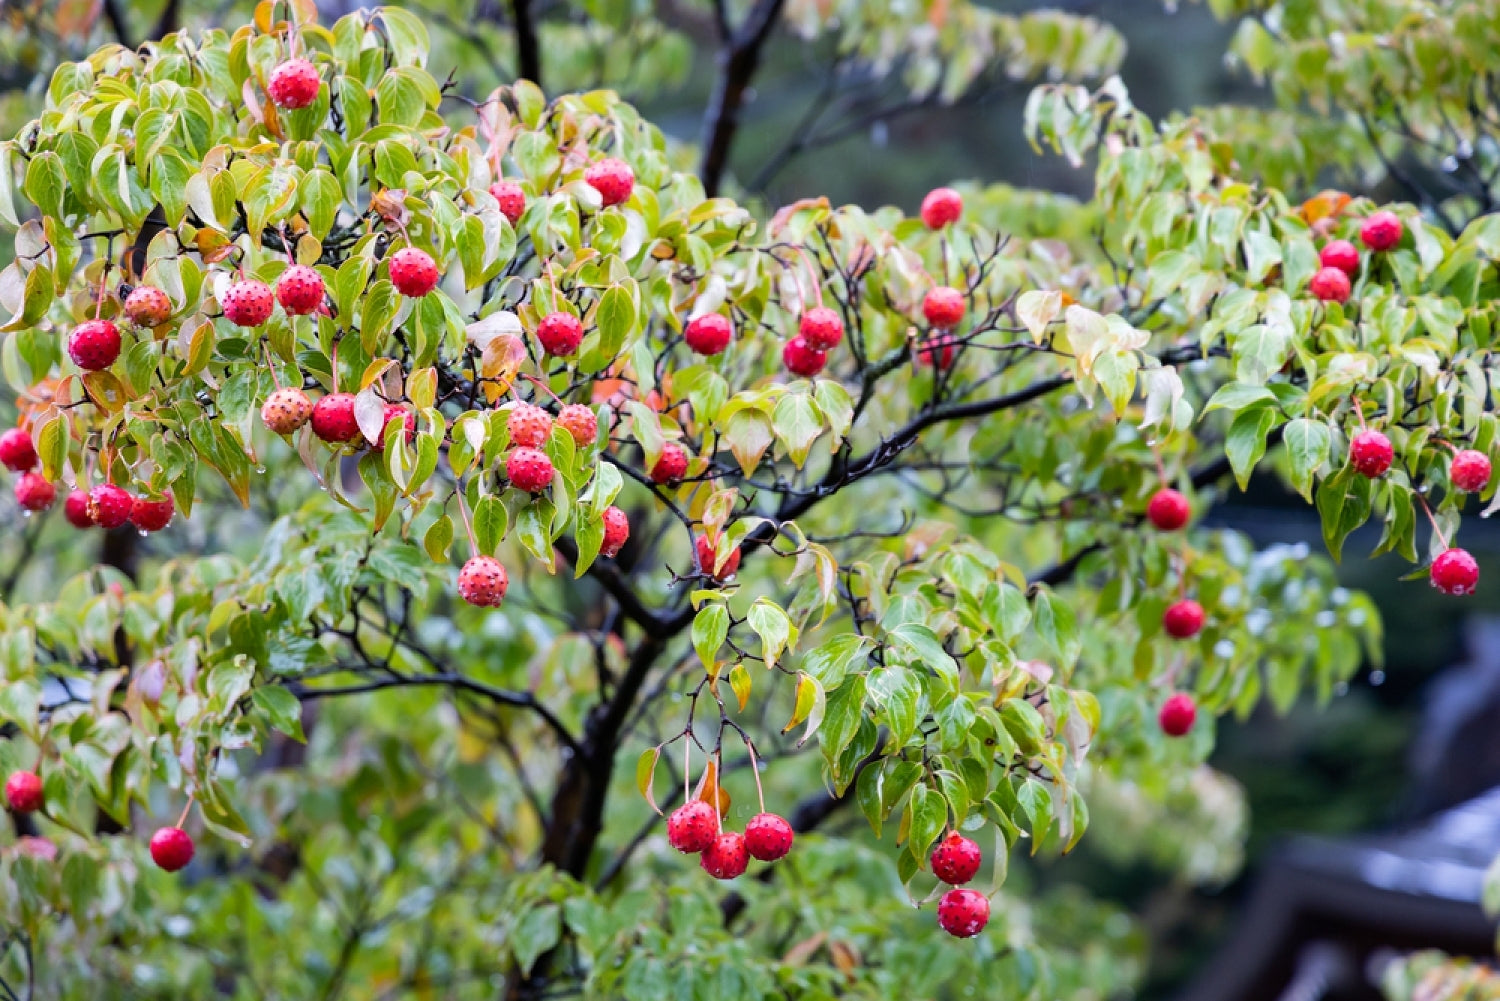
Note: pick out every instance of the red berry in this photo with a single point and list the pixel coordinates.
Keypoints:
(580, 422)
(148, 306)
(393, 412)
(937, 351)
(944, 307)
(727, 857)
(511, 198)
(671, 466)
(23, 791)
(286, 410)
(941, 207)
(616, 531)
(333, 418)
(612, 178)
(413, 272)
(152, 515)
(1168, 510)
(963, 913)
(1183, 619)
(956, 859)
(1381, 231)
(1469, 471)
(293, 84)
(768, 837)
(801, 358)
(1455, 572)
(76, 509)
(300, 290)
(482, 582)
(1340, 254)
(693, 827)
(560, 334)
(529, 469)
(1330, 285)
(17, 453)
(34, 492)
(708, 334)
(529, 425)
(708, 559)
(1371, 453)
(1177, 715)
(94, 345)
(248, 303)
(110, 506)
(171, 848)
(821, 328)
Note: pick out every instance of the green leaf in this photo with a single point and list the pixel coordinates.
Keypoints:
(830, 661)
(797, 424)
(1246, 442)
(1058, 627)
(929, 815)
(922, 644)
(319, 194)
(45, 183)
(710, 629)
(537, 932)
(283, 708)
(615, 319)
(437, 539)
(1307, 445)
(772, 626)
(645, 771)
(491, 522)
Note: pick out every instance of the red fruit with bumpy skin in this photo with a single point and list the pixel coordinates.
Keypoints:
(708, 557)
(941, 207)
(1469, 471)
(671, 466)
(333, 418)
(94, 345)
(944, 307)
(529, 425)
(1455, 572)
(110, 506)
(152, 515)
(1371, 453)
(1177, 715)
(1330, 285)
(821, 328)
(286, 410)
(529, 469)
(1381, 231)
(392, 412)
(414, 272)
(708, 334)
(483, 581)
(171, 848)
(1340, 254)
(293, 84)
(17, 453)
(580, 422)
(963, 913)
(693, 827)
(956, 859)
(560, 334)
(1183, 619)
(76, 509)
(1168, 510)
(34, 492)
(612, 178)
(148, 306)
(511, 198)
(768, 837)
(801, 358)
(300, 290)
(23, 791)
(248, 303)
(938, 351)
(616, 531)
(727, 857)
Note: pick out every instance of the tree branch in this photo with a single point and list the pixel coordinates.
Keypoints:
(116, 19)
(528, 49)
(738, 59)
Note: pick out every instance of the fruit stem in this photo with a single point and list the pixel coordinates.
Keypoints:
(463, 514)
(335, 364)
(1431, 520)
(687, 768)
(103, 281)
(185, 811)
(760, 793)
(541, 385)
(275, 379)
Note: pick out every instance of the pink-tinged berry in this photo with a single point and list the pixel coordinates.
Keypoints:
(1469, 471)
(580, 422)
(1381, 231)
(76, 509)
(1177, 715)
(612, 178)
(942, 207)
(708, 334)
(396, 412)
(511, 198)
(148, 306)
(17, 453)
(1330, 285)
(248, 303)
(727, 857)
(483, 581)
(616, 531)
(801, 358)
(23, 792)
(1168, 510)
(560, 334)
(693, 827)
(708, 558)
(821, 328)
(944, 307)
(963, 913)
(171, 848)
(333, 418)
(529, 469)
(293, 84)
(768, 837)
(286, 410)
(41, 849)
(34, 492)
(299, 289)
(94, 345)
(529, 425)
(1340, 254)
(671, 466)
(1371, 454)
(1183, 619)
(956, 859)
(413, 272)
(152, 515)
(110, 506)
(1455, 572)
(937, 352)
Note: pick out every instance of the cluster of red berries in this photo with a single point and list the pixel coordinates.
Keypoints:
(106, 505)
(695, 829)
(1168, 511)
(1339, 259)
(171, 847)
(962, 913)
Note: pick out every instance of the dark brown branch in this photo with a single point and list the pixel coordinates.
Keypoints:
(116, 19)
(528, 48)
(739, 57)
